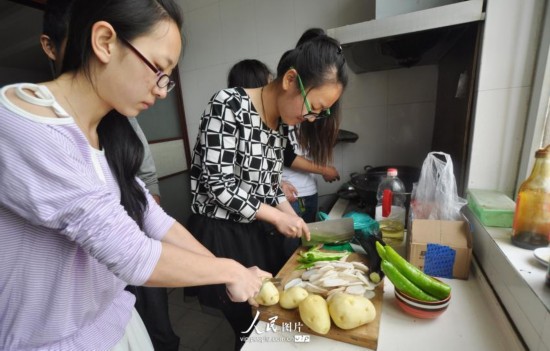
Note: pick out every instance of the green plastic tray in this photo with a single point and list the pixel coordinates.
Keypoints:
(493, 208)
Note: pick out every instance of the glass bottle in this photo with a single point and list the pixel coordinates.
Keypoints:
(390, 209)
(531, 227)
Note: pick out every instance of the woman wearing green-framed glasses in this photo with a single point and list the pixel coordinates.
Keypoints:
(239, 208)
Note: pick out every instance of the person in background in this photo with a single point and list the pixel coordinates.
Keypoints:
(249, 73)
(239, 209)
(76, 224)
(151, 302)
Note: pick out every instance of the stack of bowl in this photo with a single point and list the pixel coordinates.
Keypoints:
(421, 309)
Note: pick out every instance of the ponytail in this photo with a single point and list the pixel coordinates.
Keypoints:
(124, 153)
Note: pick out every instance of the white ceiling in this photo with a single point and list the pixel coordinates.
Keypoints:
(20, 28)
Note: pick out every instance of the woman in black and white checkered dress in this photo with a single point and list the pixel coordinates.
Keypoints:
(239, 208)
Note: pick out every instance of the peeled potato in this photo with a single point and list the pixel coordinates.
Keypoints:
(268, 295)
(292, 297)
(350, 311)
(314, 313)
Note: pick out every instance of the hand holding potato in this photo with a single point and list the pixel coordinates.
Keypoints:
(246, 284)
(268, 295)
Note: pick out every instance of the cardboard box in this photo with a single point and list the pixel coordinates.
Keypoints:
(441, 248)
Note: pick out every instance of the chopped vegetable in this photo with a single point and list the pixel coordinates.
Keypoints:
(308, 258)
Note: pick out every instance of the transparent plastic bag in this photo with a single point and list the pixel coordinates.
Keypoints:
(435, 195)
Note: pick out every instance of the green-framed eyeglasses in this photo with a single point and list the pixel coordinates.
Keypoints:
(310, 115)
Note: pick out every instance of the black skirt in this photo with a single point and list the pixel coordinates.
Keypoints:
(251, 244)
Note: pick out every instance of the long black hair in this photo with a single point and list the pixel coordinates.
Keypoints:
(130, 19)
(318, 59)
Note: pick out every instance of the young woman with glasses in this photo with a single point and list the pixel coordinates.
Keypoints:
(239, 208)
(73, 235)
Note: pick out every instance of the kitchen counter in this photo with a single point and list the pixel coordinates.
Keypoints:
(473, 321)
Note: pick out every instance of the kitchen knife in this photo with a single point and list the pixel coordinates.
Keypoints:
(330, 231)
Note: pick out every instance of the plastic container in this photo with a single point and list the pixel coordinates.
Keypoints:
(493, 208)
(390, 208)
(531, 228)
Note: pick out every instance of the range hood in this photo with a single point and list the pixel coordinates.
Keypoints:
(415, 38)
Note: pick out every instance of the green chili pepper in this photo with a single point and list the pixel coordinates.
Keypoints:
(428, 284)
(381, 250)
(404, 284)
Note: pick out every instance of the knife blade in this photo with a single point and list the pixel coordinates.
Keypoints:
(330, 231)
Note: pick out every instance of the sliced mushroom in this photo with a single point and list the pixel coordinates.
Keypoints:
(356, 290)
(307, 274)
(369, 294)
(293, 282)
(360, 266)
(314, 288)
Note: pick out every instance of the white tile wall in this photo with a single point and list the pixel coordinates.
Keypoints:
(309, 13)
(498, 135)
(410, 130)
(190, 5)
(219, 33)
(275, 26)
(510, 39)
(239, 29)
(510, 42)
(366, 89)
(410, 85)
(203, 39)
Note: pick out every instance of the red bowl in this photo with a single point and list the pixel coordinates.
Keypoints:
(421, 309)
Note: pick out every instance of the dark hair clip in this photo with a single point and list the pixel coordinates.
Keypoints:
(339, 50)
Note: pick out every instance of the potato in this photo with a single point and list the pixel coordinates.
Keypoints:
(314, 313)
(350, 311)
(292, 297)
(268, 295)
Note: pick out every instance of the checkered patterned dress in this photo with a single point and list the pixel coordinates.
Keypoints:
(237, 160)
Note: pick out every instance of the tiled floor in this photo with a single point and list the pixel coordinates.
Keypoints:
(198, 330)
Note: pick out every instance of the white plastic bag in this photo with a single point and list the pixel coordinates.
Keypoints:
(435, 196)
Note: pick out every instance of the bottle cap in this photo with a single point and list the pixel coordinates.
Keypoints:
(540, 153)
(392, 172)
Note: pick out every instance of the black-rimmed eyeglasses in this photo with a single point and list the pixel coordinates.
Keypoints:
(311, 116)
(163, 80)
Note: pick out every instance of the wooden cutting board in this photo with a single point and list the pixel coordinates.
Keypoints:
(365, 335)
